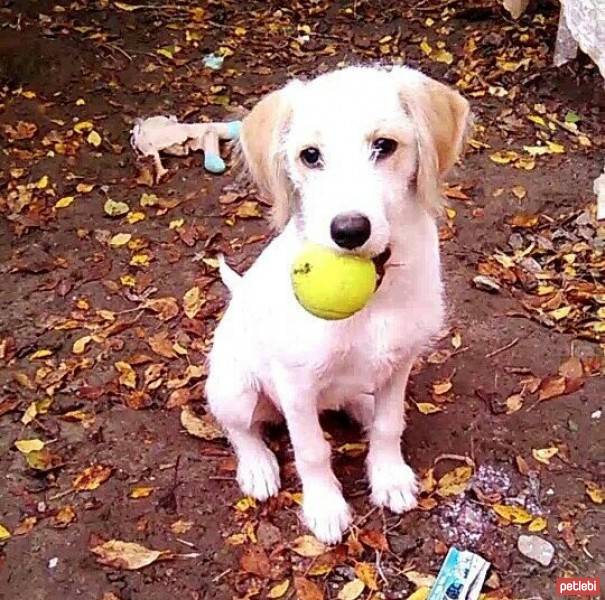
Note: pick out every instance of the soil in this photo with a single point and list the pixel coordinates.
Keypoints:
(63, 63)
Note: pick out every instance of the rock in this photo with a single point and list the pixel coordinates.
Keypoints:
(486, 284)
(536, 548)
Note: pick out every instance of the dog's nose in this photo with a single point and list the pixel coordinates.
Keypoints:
(350, 230)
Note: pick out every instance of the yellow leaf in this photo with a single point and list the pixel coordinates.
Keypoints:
(204, 427)
(83, 126)
(443, 56)
(560, 313)
(91, 478)
(94, 139)
(148, 199)
(503, 157)
(544, 455)
(594, 492)
(176, 223)
(352, 448)
(249, 210)
(279, 590)
(428, 408)
(555, 148)
(514, 403)
(245, 503)
(193, 301)
(42, 183)
(525, 163)
(30, 414)
(456, 341)
(308, 546)
(512, 514)
(42, 353)
(422, 593)
(27, 446)
(120, 239)
(115, 209)
(351, 590)
(140, 260)
(420, 579)
(367, 573)
(537, 525)
(84, 188)
(64, 202)
(425, 47)
(141, 492)
(135, 217)
(127, 7)
(442, 387)
(537, 150)
(455, 482)
(4, 533)
(538, 120)
(128, 280)
(128, 377)
(237, 539)
(79, 346)
(125, 555)
(28, 94)
(519, 191)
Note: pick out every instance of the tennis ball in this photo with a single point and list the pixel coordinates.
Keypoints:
(330, 285)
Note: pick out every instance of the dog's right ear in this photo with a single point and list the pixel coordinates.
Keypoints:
(262, 137)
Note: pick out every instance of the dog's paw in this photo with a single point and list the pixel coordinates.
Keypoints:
(258, 475)
(394, 486)
(326, 514)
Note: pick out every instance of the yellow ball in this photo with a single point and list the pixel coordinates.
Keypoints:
(330, 285)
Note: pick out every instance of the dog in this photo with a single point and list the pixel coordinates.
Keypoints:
(351, 160)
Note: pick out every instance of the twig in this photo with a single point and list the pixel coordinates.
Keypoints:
(221, 575)
(61, 495)
(504, 348)
(469, 461)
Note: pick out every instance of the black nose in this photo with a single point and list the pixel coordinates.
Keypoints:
(350, 230)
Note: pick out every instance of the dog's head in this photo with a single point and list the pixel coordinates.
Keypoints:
(348, 155)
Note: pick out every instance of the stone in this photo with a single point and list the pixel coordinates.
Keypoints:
(536, 548)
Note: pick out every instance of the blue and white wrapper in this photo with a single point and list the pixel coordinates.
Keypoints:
(461, 576)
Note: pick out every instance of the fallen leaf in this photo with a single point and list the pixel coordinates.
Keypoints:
(204, 427)
(374, 539)
(279, 590)
(537, 525)
(420, 579)
(193, 301)
(115, 209)
(245, 503)
(595, 492)
(125, 555)
(366, 572)
(519, 191)
(422, 593)
(179, 527)
(25, 526)
(79, 346)
(249, 210)
(4, 533)
(42, 353)
(512, 514)
(428, 408)
(27, 446)
(135, 217)
(455, 482)
(166, 308)
(128, 376)
(308, 546)
(161, 345)
(351, 590)
(91, 478)
(63, 517)
(94, 139)
(551, 387)
(514, 403)
(120, 239)
(255, 561)
(544, 455)
(64, 202)
(524, 220)
(128, 7)
(83, 126)
(504, 157)
(307, 590)
(141, 492)
(572, 368)
(442, 387)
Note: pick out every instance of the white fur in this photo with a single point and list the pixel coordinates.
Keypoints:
(269, 353)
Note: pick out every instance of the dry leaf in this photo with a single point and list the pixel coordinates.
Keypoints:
(544, 455)
(572, 368)
(524, 220)
(374, 539)
(128, 376)
(204, 427)
(308, 546)
(25, 526)
(420, 579)
(514, 403)
(42, 353)
(115, 209)
(279, 590)
(4, 533)
(27, 446)
(79, 346)
(193, 301)
(255, 561)
(422, 593)
(120, 239)
(595, 492)
(141, 492)
(64, 202)
(94, 139)
(512, 514)
(307, 590)
(125, 555)
(537, 525)
(91, 478)
(367, 573)
(428, 408)
(161, 345)
(455, 482)
(179, 527)
(63, 517)
(442, 387)
(551, 387)
(166, 308)
(249, 210)
(351, 590)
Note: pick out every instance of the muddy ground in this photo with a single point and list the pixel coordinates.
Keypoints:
(513, 391)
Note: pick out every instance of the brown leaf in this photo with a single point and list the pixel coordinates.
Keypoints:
(178, 398)
(25, 526)
(125, 555)
(161, 345)
(166, 308)
(308, 546)
(522, 465)
(455, 482)
(63, 517)
(307, 590)
(524, 220)
(572, 368)
(91, 478)
(128, 377)
(551, 387)
(204, 427)
(366, 572)
(255, 561)
(374, 539)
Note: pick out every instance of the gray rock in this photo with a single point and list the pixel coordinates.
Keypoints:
(536, 548)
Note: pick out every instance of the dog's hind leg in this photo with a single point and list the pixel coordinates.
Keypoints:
(257, 469)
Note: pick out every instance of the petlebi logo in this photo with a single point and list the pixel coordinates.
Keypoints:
(578, 586)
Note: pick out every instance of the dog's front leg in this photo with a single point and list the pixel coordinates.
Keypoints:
(324, 509)
(393, 482)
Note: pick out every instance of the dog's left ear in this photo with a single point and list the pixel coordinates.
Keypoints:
(442, 119)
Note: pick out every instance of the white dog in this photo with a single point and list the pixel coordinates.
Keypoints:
(352, 160)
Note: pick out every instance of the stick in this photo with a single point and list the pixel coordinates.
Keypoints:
(504, 348)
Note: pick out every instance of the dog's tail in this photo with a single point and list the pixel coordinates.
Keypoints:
(231, 279)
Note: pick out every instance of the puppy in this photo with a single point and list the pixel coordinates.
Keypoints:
(351, 160)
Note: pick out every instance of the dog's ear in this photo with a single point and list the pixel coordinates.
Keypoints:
(262, 135)
(442, 119)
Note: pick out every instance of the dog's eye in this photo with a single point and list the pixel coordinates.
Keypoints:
(383, 147)
(311, 157)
